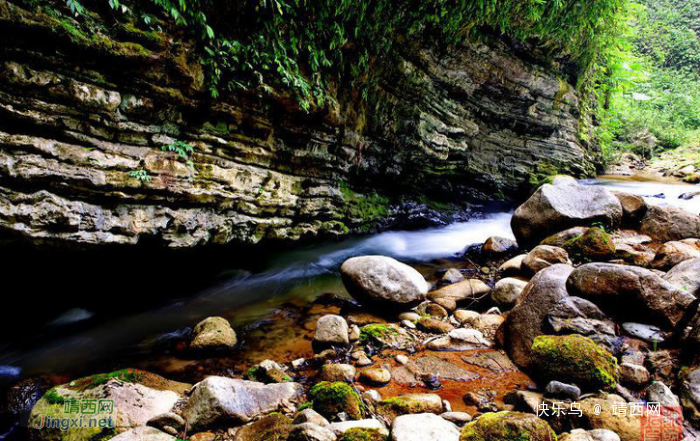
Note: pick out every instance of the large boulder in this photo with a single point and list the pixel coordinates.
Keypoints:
(595, 245)
(213, 333)
(382, 280)
(674, 252)
(423, 427)
(630, 290)
(555, 208)
(575, 359)
(633, 208)
(507, 426)
(670, 223)
(226, 399)
(133, 398)
(686, 276)
(466, 290)
(528, 319)
(330, 399)
(543, 256)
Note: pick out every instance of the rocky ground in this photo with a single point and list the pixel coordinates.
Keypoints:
(579, 331)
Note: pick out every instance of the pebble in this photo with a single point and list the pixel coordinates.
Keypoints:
(408, 324)
(401, 359)
(563, 390)
(378, 376)
(458, 418)
(410, 316)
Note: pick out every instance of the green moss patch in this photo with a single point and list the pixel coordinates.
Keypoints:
(362, 434)
(508, 426)
(575, 359)
(595, 245)
(329, 399)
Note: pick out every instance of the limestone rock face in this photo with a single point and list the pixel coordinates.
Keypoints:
(81, 157)
(554, 208)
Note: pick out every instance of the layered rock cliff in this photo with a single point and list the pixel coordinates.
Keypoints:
(83, 119)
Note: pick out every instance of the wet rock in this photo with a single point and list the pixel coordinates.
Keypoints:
(686, 276)
(331, 330)
(452, 275)
(432, 309)
(212, 334)
(506, 426)
(482, 400)
(670, 223)
(555, 208)
(506, 292)
(434, 326)
(423, 427)
(543, 256)
(635, 250)
(574, 315)
(634, 375)
(354, 333)
(369, 424)
(674, 252)
(338, 372)
(690, 394)
(598, 413)
(382, 280)
(596, 244)
(657, 392)
(638, 289)
(387, 337)
(575, 359)
(266, 428)
(558, 239)
(410, 316)
(466, 316)
(492, 360)
(459, 340)
(268, 371)
(377, 376)
(407, 404)
(401, 359)
(330, 399)
(457, 418)
(136, 397)
(169, 420)
(446, 303)
(471, 289)
(144, 433)
(361, 358)
(528, 318)
(414, 372)
(633, 208)
(662, 365)
(496, 247)
(310, 416)
(648, 333)
(562, 390)
(590, 435)
(220, 398)
(512, 266)
(311, 432)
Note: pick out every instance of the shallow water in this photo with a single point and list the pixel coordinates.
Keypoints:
(291, 276)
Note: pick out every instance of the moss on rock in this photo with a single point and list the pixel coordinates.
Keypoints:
(363, 434)
(576, 359)
(508, 426)
(595, 244)
(274, 427)
(329, 399)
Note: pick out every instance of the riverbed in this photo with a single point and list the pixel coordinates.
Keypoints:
(268, 296)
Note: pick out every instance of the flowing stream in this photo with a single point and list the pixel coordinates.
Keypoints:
(77, 337)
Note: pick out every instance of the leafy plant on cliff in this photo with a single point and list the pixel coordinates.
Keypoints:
(305, 49)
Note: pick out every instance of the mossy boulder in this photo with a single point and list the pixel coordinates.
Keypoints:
(274, 427)
(574, 359)
(363, 434)
(596, 244)
(410, 404)
(508, 426)
(329, 399)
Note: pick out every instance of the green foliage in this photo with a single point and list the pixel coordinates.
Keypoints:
(184, 150)
(141, 175)
(53, 397)
(125, 375)
(305, 48)
(377, 333)
(363, 434)
(650, 99)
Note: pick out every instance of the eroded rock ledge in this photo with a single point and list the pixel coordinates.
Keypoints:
(79, 116)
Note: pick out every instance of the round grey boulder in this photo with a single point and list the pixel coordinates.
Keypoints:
(381, 280)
